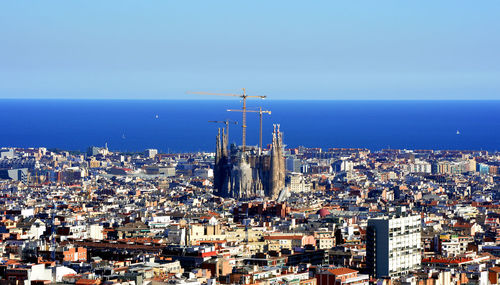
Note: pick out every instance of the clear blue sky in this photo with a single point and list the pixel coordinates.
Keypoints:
(446, 49)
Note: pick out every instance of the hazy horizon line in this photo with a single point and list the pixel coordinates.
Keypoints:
(225, 99)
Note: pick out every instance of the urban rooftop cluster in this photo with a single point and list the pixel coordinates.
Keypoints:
(344, 216)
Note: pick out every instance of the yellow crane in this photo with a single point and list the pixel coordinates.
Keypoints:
(243, 109)
(260, 111)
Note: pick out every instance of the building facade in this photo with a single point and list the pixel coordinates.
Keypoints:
(393, 245)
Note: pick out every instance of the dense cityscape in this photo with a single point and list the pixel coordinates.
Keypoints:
(334, 216)
(365, 152)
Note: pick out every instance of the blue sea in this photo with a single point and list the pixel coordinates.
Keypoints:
(182, 126)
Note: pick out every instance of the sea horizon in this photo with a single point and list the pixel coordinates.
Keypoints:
(266, 99)
(182, 125)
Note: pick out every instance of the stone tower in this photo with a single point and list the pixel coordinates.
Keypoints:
(277, 180)
(247, 174)
(221, 160)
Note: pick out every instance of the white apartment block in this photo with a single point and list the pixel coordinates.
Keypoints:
(393, 244)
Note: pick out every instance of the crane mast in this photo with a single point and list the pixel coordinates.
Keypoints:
(244, 96)
(244, 121)
(260, 111)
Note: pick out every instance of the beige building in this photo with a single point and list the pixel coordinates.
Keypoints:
(324, 240)
(276, 242)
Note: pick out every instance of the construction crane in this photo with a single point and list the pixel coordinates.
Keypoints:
(226, 122)
(243, 110)
(260, 111)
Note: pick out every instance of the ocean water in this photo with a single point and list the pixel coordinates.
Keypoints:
(182, 126)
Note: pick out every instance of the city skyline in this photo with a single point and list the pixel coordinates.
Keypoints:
(137, 148)
(326, 51)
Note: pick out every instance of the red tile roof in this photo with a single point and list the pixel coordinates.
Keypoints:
(495, 269)
(342, 271)
(87, 281)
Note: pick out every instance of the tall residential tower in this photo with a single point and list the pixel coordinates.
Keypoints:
(393, 245)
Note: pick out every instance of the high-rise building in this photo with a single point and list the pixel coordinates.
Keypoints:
(295, 182)
(94, 150)
(293, 164)
(151, 153)
(20, 174)
(393, 245)
(343, 165)
(7, 153)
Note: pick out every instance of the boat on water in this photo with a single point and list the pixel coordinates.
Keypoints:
(458, 132)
